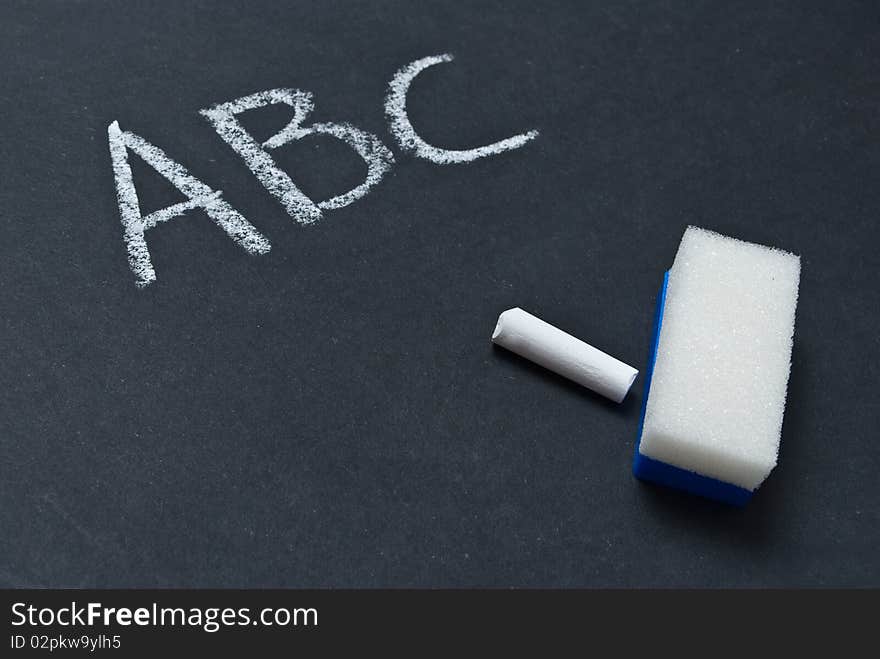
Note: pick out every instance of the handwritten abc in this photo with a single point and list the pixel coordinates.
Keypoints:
(258, 158)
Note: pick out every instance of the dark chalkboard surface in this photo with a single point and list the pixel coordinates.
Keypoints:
(332, 413)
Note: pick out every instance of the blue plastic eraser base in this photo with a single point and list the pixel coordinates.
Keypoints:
(648, 469)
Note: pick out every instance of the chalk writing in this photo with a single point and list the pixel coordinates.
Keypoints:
(222, 116)
(200, 196)
(256, 156)
(409, 140)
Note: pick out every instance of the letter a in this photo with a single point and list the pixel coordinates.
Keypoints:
(200, 196)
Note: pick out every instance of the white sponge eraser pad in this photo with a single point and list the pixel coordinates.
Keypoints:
(718, 389)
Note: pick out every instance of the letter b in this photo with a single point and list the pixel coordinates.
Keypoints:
(223, 117)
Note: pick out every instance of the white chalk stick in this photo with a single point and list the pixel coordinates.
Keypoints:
(540, 342)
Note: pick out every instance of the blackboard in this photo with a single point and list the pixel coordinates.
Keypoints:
(332, 412)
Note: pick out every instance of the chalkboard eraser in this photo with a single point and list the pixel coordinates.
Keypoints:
(550, 347)
(718, 369)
